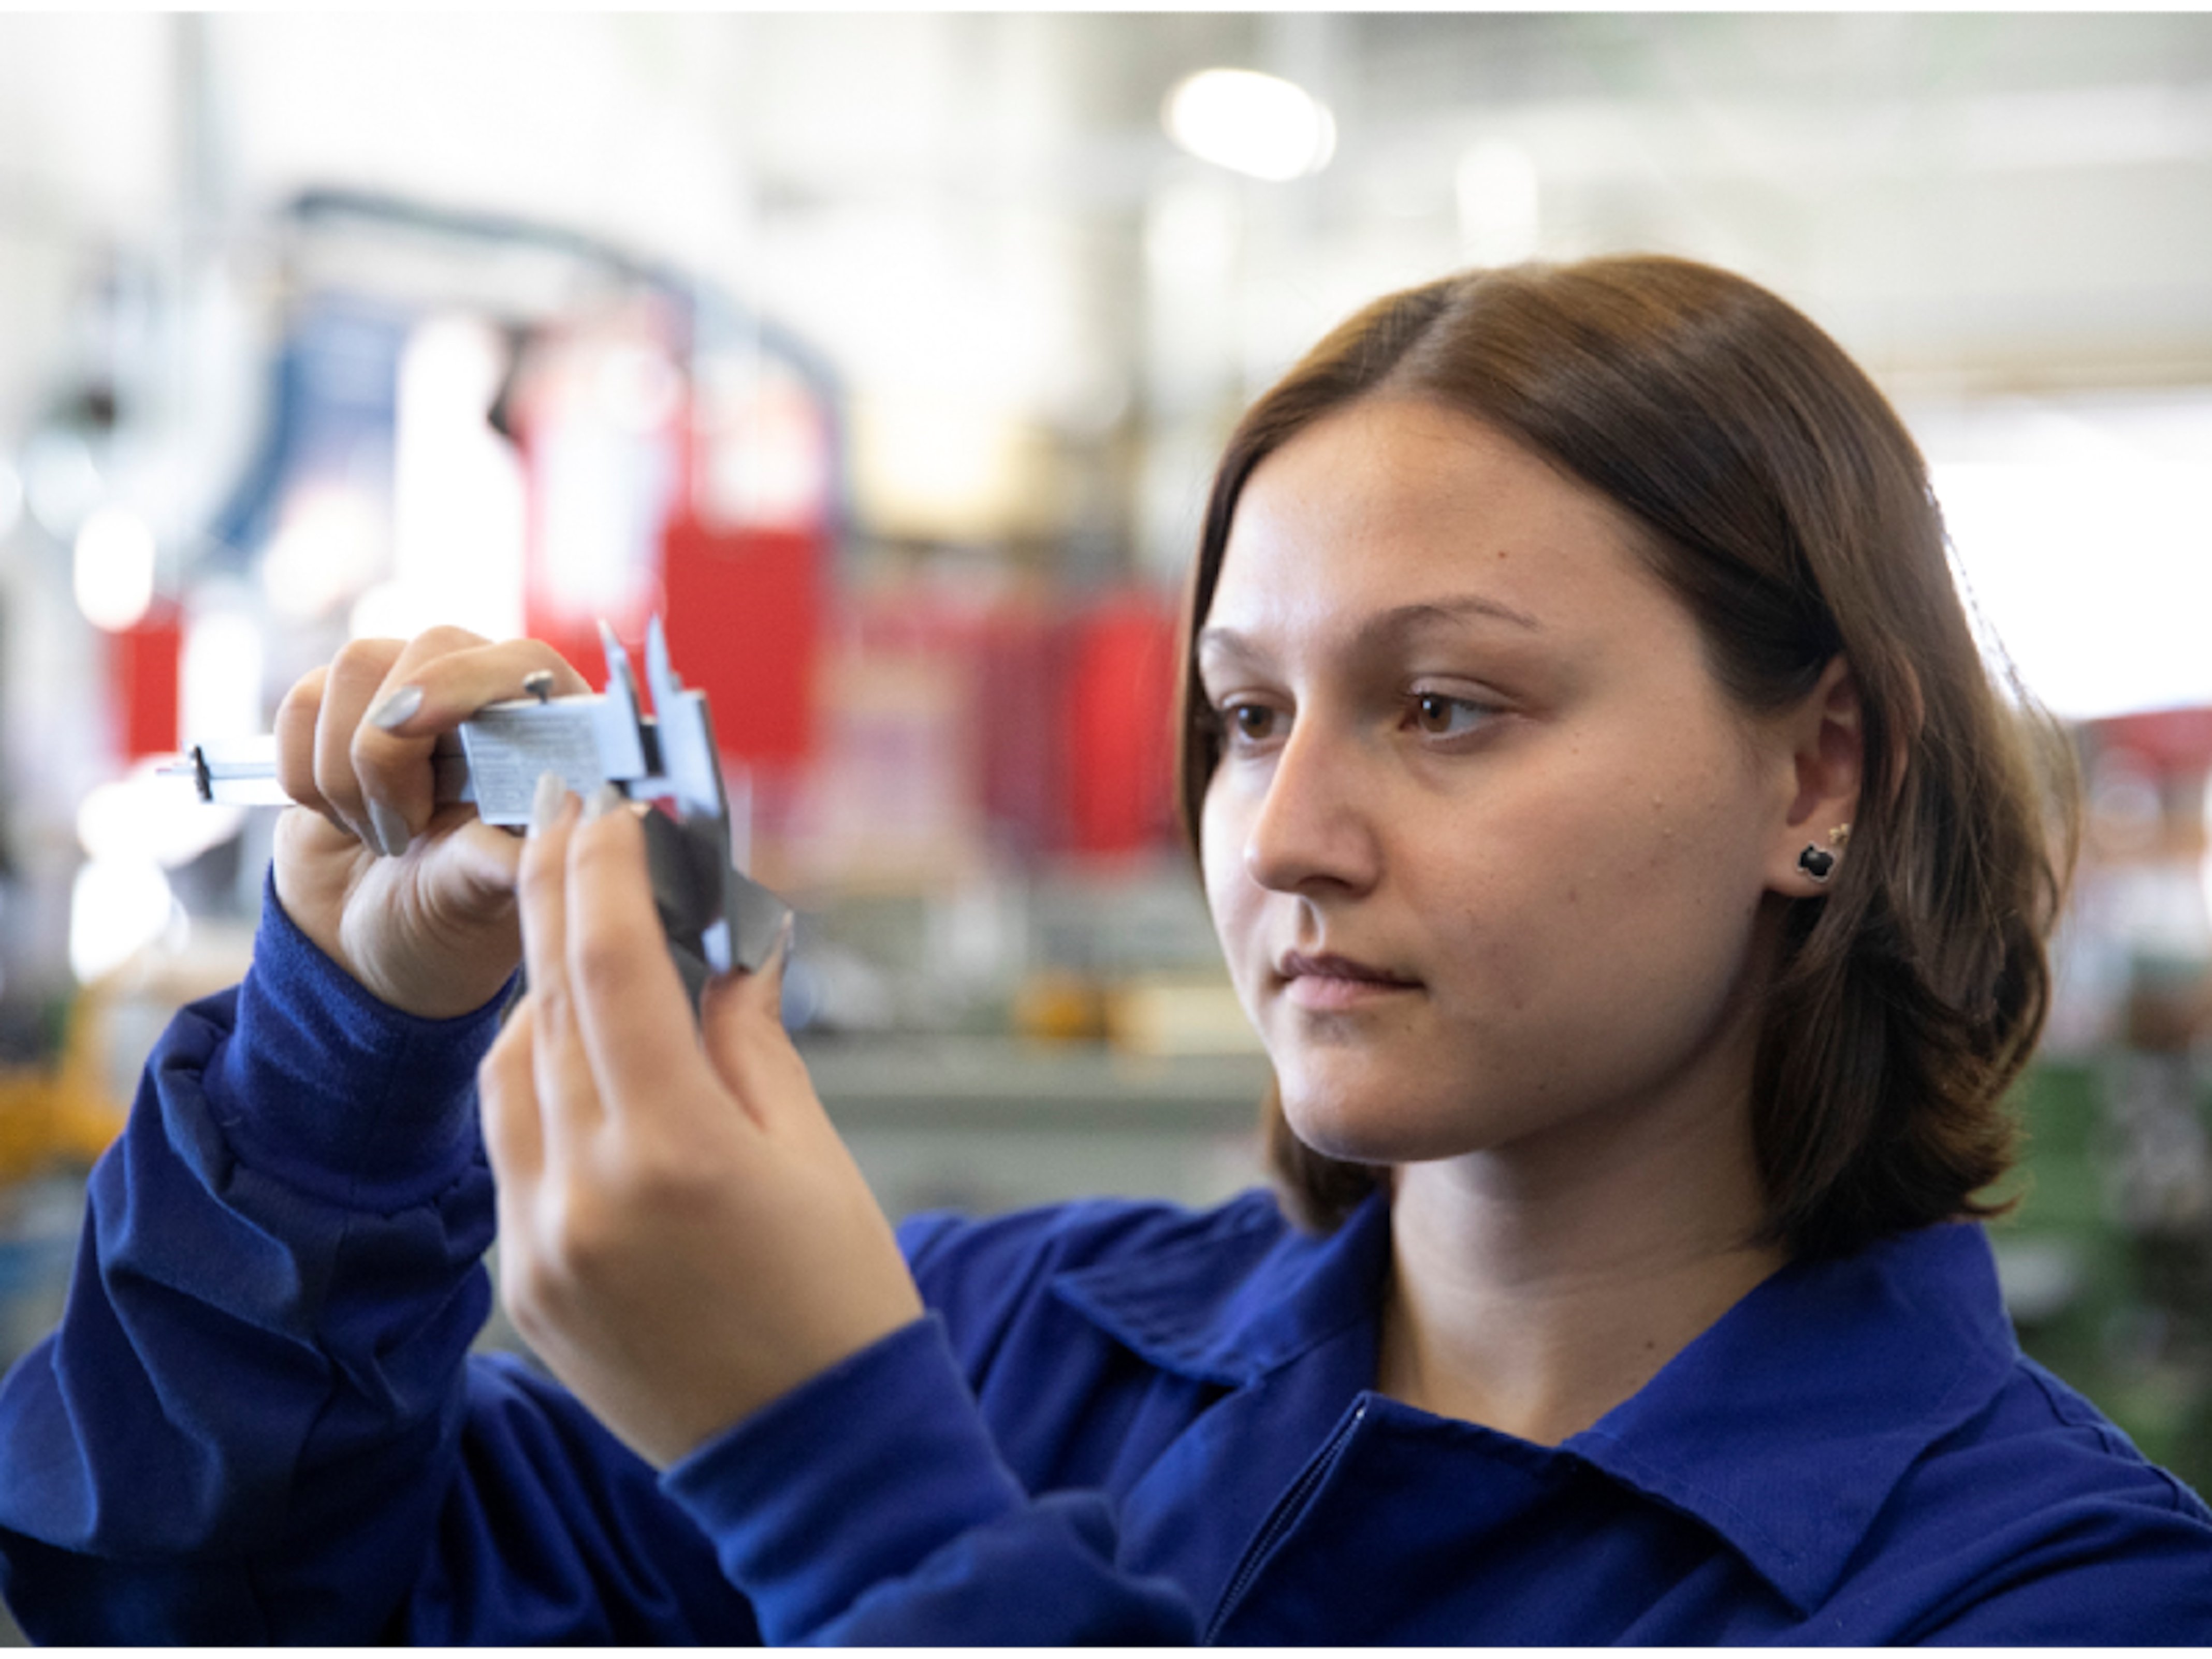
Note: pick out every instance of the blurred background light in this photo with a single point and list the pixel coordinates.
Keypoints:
(931, 467)
(2080, 527)
(114, 557)
(1251, 124)
(762, 455)
(606, 473)
(2026, 536)
(219, 680)
(1497, 195)
(118, 907)
(457, 490)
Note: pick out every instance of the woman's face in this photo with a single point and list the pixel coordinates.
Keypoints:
(1488, 845)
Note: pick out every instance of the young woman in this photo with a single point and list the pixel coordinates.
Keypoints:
(1640, 889)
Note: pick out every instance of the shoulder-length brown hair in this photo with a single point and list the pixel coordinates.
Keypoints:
(1789, 509)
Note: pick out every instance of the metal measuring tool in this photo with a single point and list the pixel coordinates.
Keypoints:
(716, 916)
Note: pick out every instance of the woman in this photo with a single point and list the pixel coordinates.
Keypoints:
(1640, 891)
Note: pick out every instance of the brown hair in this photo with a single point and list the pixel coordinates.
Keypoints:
(1790, 512)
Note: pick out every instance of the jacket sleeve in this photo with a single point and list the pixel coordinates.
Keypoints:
(256, 1419)
(870, 1507)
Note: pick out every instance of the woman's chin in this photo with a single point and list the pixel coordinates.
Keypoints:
(1355, 1131)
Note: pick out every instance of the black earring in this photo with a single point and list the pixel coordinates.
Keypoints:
(1817, 862)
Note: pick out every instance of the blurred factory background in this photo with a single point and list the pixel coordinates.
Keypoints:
(886, 357)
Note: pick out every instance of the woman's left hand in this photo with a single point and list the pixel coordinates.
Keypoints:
(683, 1236)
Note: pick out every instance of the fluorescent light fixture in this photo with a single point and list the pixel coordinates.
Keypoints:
(1252, 123)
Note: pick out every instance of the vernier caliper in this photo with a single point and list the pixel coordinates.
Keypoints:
(716, 917)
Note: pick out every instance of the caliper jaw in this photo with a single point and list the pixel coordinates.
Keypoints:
(716, 916)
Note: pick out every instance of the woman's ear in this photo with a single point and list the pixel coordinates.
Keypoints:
(1827, 735)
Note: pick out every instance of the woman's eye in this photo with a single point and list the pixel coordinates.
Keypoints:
(1441, 716)
(1249, 722)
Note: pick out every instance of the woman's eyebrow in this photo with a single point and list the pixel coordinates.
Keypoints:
(1383, 627)
(1411, 619)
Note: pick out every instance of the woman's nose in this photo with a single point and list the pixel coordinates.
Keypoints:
(1312, 827)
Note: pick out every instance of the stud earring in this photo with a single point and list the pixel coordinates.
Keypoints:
(1816, 861)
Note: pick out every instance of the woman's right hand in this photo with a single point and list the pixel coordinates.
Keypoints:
(413, 900)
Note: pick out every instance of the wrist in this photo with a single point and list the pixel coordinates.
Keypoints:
(336, 1091)
(853, 1478)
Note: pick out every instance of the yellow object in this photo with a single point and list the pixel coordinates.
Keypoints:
(58, 1116)
(1167, 1014)
(1054, 1005)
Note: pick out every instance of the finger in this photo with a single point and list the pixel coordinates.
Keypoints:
(481, 864)
(295, 740)
(444, 675)
(507, 1097)
(350, 685)
(630, 1002)
(437, 680)
(568, 1096)
(741, 1021)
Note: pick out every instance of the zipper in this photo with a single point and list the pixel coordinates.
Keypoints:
(1289, 1508)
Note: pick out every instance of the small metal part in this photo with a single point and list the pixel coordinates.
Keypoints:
(539, 684)
(231, 772)
(242, 772)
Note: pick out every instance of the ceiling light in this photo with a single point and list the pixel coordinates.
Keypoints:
(1251, 123)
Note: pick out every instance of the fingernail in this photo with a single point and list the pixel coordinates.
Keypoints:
(545, 805)
(396, 709)
(392, 833)
(603, 800)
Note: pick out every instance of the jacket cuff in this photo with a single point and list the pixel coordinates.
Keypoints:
(855, 1478)
(322, 1086)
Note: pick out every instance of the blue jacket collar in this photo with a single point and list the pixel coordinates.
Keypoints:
(1783, 1428)
(1787, 1425)
(1246, 1295)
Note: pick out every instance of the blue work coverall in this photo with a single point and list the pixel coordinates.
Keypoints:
(1121, 1422)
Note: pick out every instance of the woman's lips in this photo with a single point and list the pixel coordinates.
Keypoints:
(1332, 983)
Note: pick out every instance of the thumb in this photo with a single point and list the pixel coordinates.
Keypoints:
(741, 1022)
(477, 865)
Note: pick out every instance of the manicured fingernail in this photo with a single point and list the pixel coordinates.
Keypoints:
(392, 833)
(396, 709)
(545, 805)
(603, 800)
